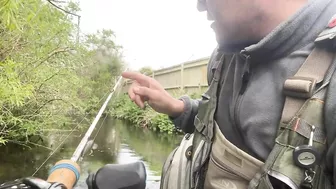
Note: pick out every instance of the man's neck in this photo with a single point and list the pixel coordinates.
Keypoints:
(273, 14)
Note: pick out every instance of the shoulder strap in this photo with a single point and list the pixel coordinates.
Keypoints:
(318, 67)
(302, 85)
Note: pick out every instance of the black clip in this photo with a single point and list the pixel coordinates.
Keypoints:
(309, 177)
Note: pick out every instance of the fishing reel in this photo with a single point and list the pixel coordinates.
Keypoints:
(117, 176)
(31, 183)
(111, 176)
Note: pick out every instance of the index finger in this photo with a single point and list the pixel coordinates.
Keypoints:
(140, 78)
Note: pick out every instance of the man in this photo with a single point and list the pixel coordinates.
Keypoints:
(261, 43)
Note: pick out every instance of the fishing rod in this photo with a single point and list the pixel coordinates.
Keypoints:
(66, 171)
(82, 145)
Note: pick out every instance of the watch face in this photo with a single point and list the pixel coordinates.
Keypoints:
(307, 158)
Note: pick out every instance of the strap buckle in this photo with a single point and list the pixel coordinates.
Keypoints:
(300, 87)
(199, 125)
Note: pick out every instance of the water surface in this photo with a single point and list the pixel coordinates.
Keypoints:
(116, 142)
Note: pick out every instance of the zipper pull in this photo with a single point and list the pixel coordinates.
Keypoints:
(246, 75)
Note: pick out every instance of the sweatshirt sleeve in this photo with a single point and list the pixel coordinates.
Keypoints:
(185, 121)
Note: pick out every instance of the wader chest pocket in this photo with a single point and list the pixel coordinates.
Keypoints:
(230, 167)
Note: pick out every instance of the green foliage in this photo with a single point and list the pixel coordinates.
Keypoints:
(153, 147)
(162, 122)
(195, 96)
(47, 78)
(146, 70)
(124, 108)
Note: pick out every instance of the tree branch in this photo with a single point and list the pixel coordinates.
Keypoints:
(60, 8)
(58, 1)
(19, 143)
(6, 2)
(40, 45)
(39, 88)
(49, 101)
(52, 54)
(39, 145)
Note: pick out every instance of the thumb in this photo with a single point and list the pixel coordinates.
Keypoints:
(144, 92)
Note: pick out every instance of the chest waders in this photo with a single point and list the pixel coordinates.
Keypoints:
(206, 159)
(186, 166)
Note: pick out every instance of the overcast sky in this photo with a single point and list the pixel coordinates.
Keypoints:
(156, 33)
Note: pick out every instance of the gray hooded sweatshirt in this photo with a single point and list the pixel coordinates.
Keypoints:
(250, 98)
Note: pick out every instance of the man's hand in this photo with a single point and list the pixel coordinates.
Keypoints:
(36, 183)
(145, 88)
(31, 183)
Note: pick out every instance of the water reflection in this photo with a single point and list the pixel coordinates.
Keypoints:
(116, 142)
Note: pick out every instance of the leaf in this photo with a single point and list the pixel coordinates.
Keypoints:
(3, 141)
(42, 89)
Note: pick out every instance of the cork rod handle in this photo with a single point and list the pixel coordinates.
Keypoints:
(66, 172)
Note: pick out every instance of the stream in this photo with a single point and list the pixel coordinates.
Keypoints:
(116, 142)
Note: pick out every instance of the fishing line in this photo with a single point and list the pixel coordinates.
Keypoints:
(52, 153)
(79, 150)
(101, 125)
